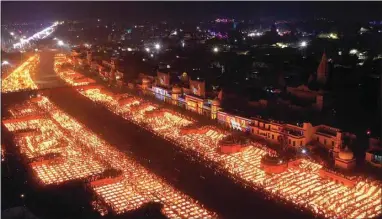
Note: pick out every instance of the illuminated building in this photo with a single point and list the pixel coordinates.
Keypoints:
(215, 108)
(194, 96)
(194, 103)
(234, 122)
(175, 93)
(374, 153)
(297, 135)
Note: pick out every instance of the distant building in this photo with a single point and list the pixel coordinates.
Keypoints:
(374, 153)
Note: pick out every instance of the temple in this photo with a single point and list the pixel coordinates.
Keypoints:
(322, 71)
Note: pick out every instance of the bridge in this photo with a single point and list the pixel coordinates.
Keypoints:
(37, 36)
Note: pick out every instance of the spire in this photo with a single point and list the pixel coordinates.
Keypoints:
(322, 70)
(220, 95)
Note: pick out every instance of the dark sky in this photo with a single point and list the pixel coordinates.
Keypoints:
(141, 11)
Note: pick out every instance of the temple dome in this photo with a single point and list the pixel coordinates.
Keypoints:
(346, 154)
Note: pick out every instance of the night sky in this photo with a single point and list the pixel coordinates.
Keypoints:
(153, 11)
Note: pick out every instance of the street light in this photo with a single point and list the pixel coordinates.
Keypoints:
(303, 45)
(353, 51)
(157, 46)
(60, 43)
(147, 49)
(216, 49)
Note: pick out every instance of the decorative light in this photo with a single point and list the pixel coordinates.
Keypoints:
(301, 184)
(157, 46)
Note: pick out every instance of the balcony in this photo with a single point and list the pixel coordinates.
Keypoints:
(296, 133)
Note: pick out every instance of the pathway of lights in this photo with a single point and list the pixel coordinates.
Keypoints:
(20, 79)
(84, 155)
(302, 186)
(68, 75)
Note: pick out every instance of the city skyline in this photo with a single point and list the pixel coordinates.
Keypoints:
(188, 11)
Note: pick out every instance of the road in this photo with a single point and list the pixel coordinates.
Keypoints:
(45, 77)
